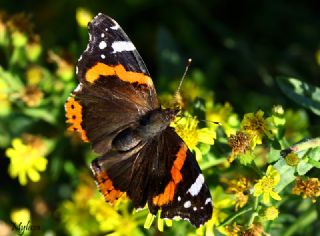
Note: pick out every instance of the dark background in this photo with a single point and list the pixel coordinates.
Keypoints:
(239, 46)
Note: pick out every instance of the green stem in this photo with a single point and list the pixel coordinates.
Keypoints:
(232, 218)
(255, 213)
(256, 169)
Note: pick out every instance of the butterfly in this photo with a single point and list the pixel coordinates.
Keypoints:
(115, 108)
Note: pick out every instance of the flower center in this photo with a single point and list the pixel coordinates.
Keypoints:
(267, 184)
(257, 123)
(189, 134)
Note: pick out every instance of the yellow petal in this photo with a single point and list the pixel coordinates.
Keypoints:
(206, 136)
(198, 153)
(41, 163)
(275, 195)
(257, 190)
(269, 169)
(17, 143)
(33, 175)
(10, 153)
(266, 198)
(23, 178)
(149, 220)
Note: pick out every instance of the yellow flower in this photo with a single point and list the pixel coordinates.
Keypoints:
(256, 126)
(34, 75)
(33, 48)
(224, 115)
(25, 161)
(88, 205)
(112, 219)
(240, 144)
(20, 216)
(187, 129)
(254, 230)
(238, 187)
(266, 185)
(83, 17)
(309, 187)
(65, 68)
(32, 96)
(233, 230)
(4, 98)
(150, 218)
(220, 201)
(271, 213)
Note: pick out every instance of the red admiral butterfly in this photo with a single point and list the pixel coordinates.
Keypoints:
(115, 108)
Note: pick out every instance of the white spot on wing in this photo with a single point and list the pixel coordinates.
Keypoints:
(194, 208)
(106, 29)
(196, 186)
(90, 37)
(80, 58)
(120, 46)
(187, 204)
(179, 198)
(187, 219)
(116, 26)
(208, 200)
(102, 45)
(139, 209)
(103, 56)
(102, 35)
(77, 69)
(87, 48)
(78, 88)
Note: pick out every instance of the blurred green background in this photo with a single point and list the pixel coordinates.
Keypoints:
(238, 49)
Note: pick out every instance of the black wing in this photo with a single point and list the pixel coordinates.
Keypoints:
(186, 195)
(108, 43)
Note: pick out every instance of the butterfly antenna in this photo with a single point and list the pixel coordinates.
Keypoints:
(181, 81)
(192, 117)
(212, 122)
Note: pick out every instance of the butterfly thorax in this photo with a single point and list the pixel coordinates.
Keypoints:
(149, 126)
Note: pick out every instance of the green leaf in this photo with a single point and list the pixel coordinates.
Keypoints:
(274, 155)
(303, 221)
(301, 92)
(286, 174)
(40, 113)
(312, 156)
(303, 167)
(314, 163)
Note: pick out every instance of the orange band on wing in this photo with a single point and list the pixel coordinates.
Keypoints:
(106, 187)
(176, 177)
(74, 117)
(101, 69)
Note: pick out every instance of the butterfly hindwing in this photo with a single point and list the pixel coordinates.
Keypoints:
(186, 195)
